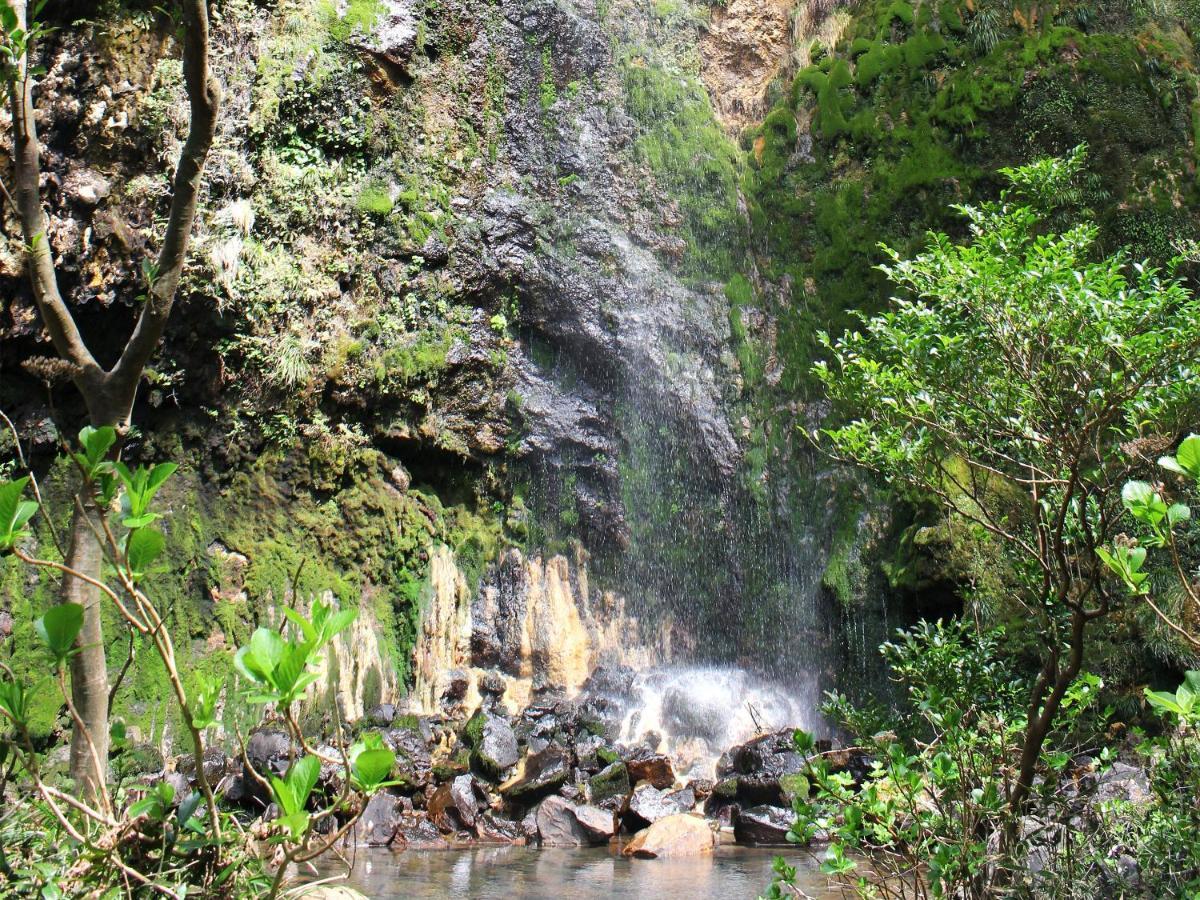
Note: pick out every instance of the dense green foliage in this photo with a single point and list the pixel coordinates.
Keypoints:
(918, 103)
(1012, 382)
(141, 838)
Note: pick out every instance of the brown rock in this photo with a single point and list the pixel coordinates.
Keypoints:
(679, 835)
(652, 767)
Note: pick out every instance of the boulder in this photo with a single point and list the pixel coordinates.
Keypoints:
(762, 825)
(561, 823)
(413, 760)
(543, 773)
(593, 753)
(558, 826)
(645, 765)
(610, 784)
(547, 722)
(494, 743)
(648, 804)
(380, 820)
(1123, 782)
(383, 714)
(466, 803)
(674, 836)
(453, 806)
(215, 762)
(496, 829)
(267, 751)
(416, 832)
(599, 824)
(768, 756)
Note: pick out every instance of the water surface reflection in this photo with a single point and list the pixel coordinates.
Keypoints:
(509, 873)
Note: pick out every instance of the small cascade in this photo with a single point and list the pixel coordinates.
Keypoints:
(695, 713)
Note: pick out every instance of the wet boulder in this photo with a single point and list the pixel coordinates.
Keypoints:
(493, 742)
(648, 804)
(466, 799)
(593, 752)
(599, 824)
(768, 756)
(542, 773)
(561, 823)
(454, 805)
(413, 761)
(762, 825)
(547, 721)
(267, 751)
(646, 765)
(496, 829)
(610, 784)
(216, 765)
(380, 820)
(674, 836)
(417, 832)
(557, 825)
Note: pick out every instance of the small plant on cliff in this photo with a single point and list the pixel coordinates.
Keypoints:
(1007, 384)
(146, 839)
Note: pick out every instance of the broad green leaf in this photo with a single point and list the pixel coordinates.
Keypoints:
(144, 546)
(263, 653)
(1178, 512)
(295, 823)
(14, 701)
(59, 627)
(187, 809)
(306, 628)
(96, 443)
(14, 512)
(371, 767)
(284, 795)
(158, 475)
(134, 522)
(1186, 460)
(302, 778)
(340, 622)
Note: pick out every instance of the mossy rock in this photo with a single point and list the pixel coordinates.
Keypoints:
(794, 787)
(611, 781)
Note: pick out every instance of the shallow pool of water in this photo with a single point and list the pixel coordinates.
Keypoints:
(525, 873)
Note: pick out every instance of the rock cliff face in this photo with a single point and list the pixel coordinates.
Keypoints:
(542, 271)
(533, 626)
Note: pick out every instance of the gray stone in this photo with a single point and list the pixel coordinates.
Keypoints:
(648, 804)
(762, 825)
(611, 782)
(1123, 782)
(599, 824)
(380, 820)
(558, 826)
(497, 750)
(545, 773)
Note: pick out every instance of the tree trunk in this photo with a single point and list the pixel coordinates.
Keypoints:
(89, 670)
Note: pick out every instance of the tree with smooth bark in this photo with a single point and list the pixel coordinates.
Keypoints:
(108, 393)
